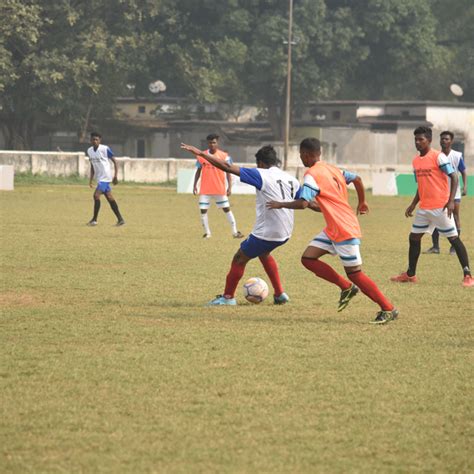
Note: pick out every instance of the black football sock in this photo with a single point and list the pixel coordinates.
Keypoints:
(413, 255)
(114, 206)
(96, 209)
(461, 252)
(435, 239)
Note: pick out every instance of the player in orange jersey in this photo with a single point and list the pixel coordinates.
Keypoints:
(213, 186)
(325, 189)
(436, 205)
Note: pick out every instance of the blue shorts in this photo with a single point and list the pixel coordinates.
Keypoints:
(104, 187)
(254, 247)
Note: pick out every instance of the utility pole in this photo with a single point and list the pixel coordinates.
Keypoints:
(288, 86)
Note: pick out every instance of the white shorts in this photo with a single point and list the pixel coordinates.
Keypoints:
(205, 201)
(349, 253)
(427, 220)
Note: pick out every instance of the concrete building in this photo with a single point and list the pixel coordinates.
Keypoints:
(376, 133)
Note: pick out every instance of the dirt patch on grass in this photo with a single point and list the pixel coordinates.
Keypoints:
(11, 298)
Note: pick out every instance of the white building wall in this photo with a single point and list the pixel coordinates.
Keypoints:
(460, 121)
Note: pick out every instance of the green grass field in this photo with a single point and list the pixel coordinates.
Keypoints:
(110, 362)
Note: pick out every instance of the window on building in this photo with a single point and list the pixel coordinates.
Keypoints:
(405, 113)
(141, 109)
(336, 115)
(140, 148)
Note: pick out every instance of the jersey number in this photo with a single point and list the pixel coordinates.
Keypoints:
(292, 189)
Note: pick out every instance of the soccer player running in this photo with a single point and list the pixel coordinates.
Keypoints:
(100, 157)
(325, 187)
(457, 161)
(436, 205)
(213, 186)
(272, 229)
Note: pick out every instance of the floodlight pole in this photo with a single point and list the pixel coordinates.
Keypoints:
(288, 86)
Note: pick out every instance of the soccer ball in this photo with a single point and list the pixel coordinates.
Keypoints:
(255, 290)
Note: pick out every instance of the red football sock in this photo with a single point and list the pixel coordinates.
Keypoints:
(271, 268)
(324, 271)
(370, 289)
(233, 277)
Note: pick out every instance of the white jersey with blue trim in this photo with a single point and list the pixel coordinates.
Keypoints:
(457, 162)
(100, 160)
(272, 184)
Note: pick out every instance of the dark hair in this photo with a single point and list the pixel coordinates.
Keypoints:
(212, 136)
(267, 155)
(96, 134)
(447, 132)
(426, 131)
(311, 144)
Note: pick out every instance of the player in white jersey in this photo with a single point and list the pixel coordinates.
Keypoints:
(100, 157)
(457, 161)
(272, 228)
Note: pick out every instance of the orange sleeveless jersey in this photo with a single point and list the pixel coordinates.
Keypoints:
(433, 184)
(213, 180)
(342, 223)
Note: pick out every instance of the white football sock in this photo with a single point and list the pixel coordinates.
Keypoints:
(231, 219)
(205, 223)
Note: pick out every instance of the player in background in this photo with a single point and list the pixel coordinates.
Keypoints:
(457, 161)
(271, 229)
(327, 185)
(213, 186)
(100, 157)
(436, 205)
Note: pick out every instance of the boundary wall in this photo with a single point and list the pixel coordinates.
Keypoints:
(159, 170)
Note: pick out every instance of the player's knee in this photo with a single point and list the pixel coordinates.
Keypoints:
(454, 240)
(415, 237)
(226, 209)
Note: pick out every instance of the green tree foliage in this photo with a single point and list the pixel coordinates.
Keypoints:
(62, 61)
(61, 58)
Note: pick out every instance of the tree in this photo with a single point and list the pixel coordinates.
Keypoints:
(60, 58)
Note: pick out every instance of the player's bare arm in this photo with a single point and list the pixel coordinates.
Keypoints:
(229, 184)
(297, 204)
(91, 177)
(464, 183)
(197, 175)
(412, 206)
(314, 206)
(362, 206)
(454, 185)
(222, 165)
(114, 161)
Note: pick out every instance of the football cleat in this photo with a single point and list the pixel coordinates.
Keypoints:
(206, 236)
(404, 278)
(432, 250)
(238, 235)
(468, 281)
(346, 296)
(383, 317)
(92, 223)
(120, 223)
(452, 251)
(281, 299)
(221, 300)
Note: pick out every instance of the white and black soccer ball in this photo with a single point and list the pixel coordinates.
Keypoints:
(255, 290)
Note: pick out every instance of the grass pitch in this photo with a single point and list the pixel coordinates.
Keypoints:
(110, 362)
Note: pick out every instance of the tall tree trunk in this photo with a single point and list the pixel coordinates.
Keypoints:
(275, 120)
(19, 133)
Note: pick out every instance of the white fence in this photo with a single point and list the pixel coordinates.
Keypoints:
(144, 170)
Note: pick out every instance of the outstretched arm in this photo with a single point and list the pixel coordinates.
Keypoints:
(218, 163)
(297, 204)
